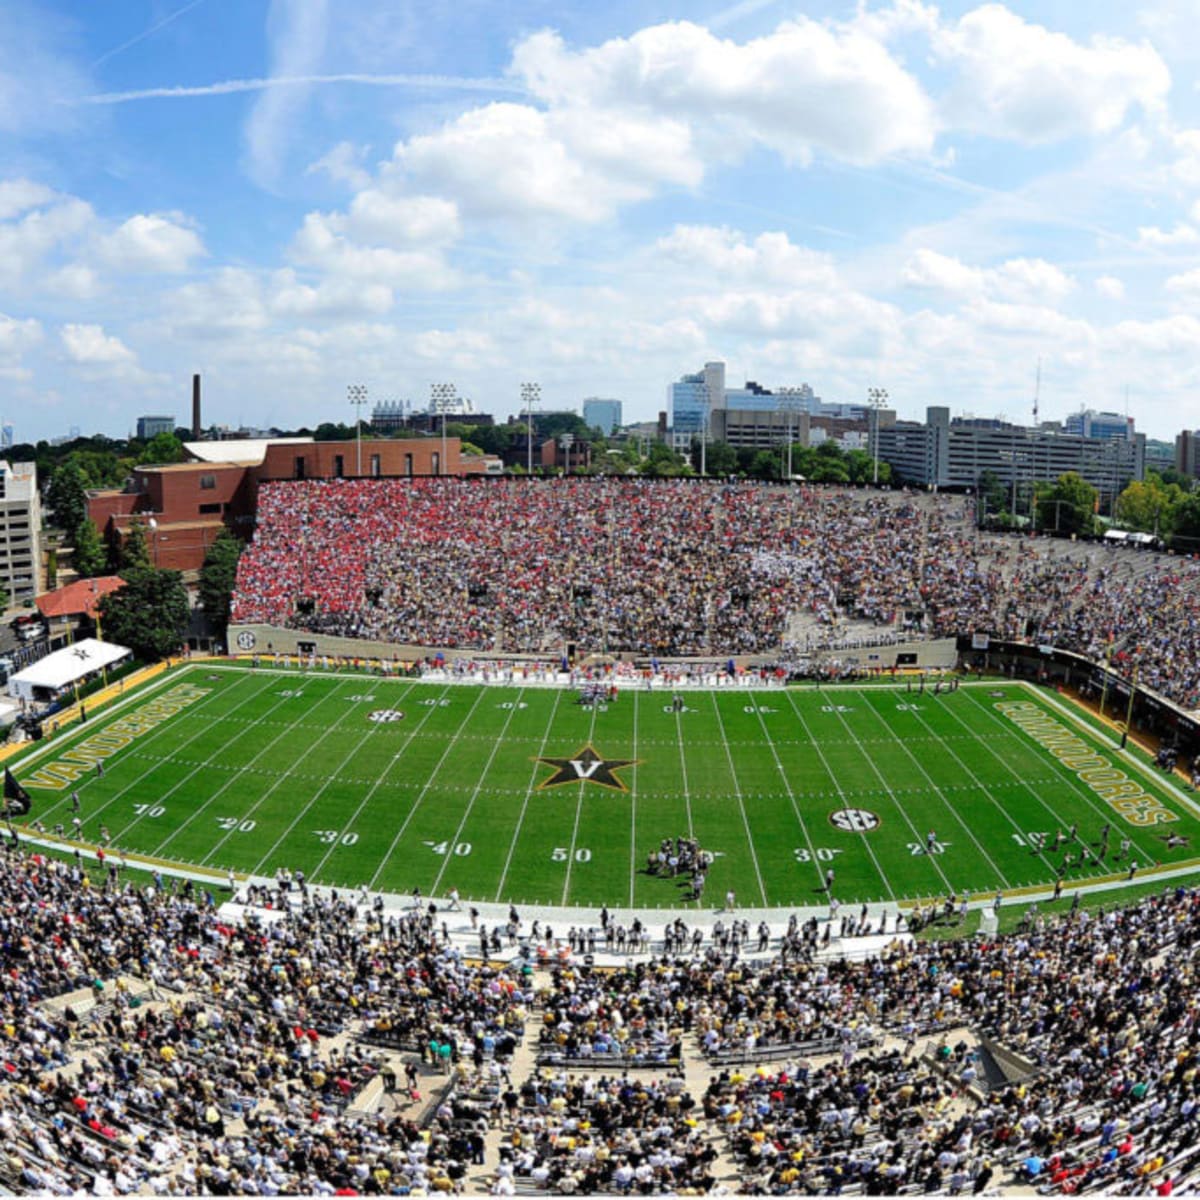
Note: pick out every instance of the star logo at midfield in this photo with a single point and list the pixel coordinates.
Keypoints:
(586, 766)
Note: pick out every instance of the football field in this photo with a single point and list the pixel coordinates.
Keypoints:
(522, 794)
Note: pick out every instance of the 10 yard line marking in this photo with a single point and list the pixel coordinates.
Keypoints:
(883, 879)
(475, 794)
(427, 784)
(528, 792)
(869, 707)
(737, 787)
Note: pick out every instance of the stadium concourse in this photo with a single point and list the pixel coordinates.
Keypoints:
(676, 568)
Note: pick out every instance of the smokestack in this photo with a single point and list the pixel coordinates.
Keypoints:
(196, 427)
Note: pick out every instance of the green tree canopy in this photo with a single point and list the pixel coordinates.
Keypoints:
(720, 458)
(1150, 505)
(135, 553)
(67, 496)
(160, 449)
(1069, 506)
(90, 555)
(149, 614)
(217, 578)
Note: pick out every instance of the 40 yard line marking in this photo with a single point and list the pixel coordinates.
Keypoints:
(427, 784)
(737, 787)
(533, 774)
(478, 788)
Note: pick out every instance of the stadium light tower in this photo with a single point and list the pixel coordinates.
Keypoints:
(531, 394)
(356, 393)
(876, 398)
(445, 397)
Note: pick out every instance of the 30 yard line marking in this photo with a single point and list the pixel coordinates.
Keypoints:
(533, 774)
(812, 849)
(478, 788)
(883, 879)
(869, 707)
(737, 787)
(479, 695)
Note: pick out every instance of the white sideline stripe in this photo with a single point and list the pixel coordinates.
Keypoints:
(425, 787)
(437, 883)
(837, 783)
(187, 821)
(812, 848)
(529, 789)
(737, 787)
(869, 707)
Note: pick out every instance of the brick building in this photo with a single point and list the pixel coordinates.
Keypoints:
(183, 506)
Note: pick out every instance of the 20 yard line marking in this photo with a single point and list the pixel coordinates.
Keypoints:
(478, 788)
(425, 787)
(533, 774)
(737, 787)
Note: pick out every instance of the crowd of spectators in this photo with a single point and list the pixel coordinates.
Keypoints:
(686, 568)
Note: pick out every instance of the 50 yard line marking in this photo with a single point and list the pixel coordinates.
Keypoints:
(578, 814)
(533, 774)
(479, 695)
(737, 787)
(478, 788)
(633, 805)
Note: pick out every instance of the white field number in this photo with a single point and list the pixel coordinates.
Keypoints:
(289, 694)
(820, 854)
(360, 699)
(915, 848)
(757, 708)
(460, 849)
(835, 708)
(332, 837)
(149, 810)
(908, 708)
(562, 854)
(233, 825)
(432, 703)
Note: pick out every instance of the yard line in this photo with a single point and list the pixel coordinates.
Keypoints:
(687, 795)
(235, 777)
(528, 792)
(578, 812)
(899, 741)
(738, 790)
(478, 788)
(450, 745)
(633, 805)
(157, 762)
(143, 740)
(812, 849)
(949, 708)
(408, 741)
(1108, 815)
(837, 783)
(895, 800)
(371, 729)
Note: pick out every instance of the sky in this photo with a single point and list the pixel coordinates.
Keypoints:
(295, 196)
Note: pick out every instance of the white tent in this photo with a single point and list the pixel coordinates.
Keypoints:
(49, 677)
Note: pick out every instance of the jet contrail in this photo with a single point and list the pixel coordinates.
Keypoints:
(229, 86)
(133, 41)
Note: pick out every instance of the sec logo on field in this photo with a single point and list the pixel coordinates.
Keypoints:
(385, 716)
(854, 820)
(245, 640)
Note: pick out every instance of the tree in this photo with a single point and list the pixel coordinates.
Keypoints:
(161, 448)
(149, 614)
(134, 554)
(664, 463)
(1186, 536)
(217, 578)
(1150, 505)
(1069, 506)
(90, 555)
(66, 494)
(720, 458)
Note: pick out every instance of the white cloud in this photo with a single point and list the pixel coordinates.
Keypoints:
(17, 336)
(1023, 81)
(927, 270)
(20, 195)
(330, 299)
(321, 244)
(727, 254)
(376, 216)
(343, 164)
(1110, 287)
(296, 30)
(89, 345)
(26, 243)
(1187, 283)
(1018, 279)
(1181, 235)
(151, 243)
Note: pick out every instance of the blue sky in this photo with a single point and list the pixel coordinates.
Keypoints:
(291, 196)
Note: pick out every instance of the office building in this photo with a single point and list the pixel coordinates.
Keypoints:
(691, 401)
(20, 531)
(1102, 426)
(148, 427)
(604, 415)
(955, 453)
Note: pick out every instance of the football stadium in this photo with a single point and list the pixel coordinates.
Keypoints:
(621, 836)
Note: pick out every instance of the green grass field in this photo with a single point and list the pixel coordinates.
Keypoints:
(492, 790)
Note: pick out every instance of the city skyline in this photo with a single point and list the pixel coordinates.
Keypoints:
(294, 198)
